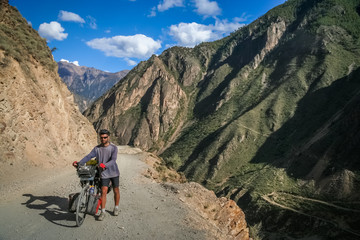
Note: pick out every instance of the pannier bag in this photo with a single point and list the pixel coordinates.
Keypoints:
(86, 171)
(93, 204)
(73, 200)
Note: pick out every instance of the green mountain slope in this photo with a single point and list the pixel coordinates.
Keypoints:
(267, 116)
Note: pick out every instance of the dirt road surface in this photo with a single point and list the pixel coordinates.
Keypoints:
(148, 211)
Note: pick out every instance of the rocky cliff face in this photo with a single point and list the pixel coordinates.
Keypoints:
(87, 84)
(154, 101)
(39, 123)
(266, 116)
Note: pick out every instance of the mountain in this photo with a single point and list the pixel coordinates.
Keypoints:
(40, 125)
(87, 84)
(268, 116)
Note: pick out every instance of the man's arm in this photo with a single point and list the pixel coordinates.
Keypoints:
(88, 157)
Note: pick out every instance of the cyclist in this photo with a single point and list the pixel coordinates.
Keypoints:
(106, 154)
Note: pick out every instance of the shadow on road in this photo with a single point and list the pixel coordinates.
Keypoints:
(55, 209)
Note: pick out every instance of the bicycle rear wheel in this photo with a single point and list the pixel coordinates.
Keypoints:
(82, 205)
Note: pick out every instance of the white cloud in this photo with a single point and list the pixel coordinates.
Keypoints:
(224, 27)
(92, 22)
(74, 62)
(137, 46)
(207, 8)
(190, 34)
(244, 17)
(169, 45)
(153, 12)
(70, 17)
(130, 62)
(166, 4)
(52, 30)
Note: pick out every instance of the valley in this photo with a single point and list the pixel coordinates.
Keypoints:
(326, 212)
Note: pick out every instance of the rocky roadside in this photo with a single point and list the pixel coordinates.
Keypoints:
(221, 216)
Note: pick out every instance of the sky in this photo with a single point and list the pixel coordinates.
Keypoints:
(115, 35)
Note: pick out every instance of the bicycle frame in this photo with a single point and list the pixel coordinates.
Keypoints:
(82, 205)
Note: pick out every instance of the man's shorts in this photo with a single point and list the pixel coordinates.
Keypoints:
(114, 182)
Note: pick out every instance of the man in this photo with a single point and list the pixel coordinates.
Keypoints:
(106, 154)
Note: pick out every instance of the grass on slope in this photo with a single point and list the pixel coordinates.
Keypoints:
(20, 41)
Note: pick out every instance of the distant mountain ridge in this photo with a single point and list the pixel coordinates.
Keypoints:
(87, 83)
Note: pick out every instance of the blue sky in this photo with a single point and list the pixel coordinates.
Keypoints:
(114, 35)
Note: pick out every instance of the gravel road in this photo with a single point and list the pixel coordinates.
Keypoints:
(148, 211)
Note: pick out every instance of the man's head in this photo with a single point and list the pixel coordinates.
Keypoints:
(104, 136)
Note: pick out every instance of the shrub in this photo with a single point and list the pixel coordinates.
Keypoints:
(174, 161)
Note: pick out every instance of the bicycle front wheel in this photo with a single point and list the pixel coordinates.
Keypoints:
(82, 205)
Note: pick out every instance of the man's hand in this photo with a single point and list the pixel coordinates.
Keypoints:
(102, 166)
(75, 163)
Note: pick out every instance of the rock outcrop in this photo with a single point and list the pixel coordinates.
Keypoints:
(224, 219)
(40, 126)
(223, 213)
(86, 83)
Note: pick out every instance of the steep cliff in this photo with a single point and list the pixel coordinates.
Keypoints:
(87, 84)
(40, 126)
(267, 116)
(143, 110)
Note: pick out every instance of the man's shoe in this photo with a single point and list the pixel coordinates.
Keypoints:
(102, 216)
(116, 211)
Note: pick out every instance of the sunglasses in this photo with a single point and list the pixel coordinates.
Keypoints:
(103, 137)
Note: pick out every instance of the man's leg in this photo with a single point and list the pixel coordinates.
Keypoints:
(115, 182)
(104, 190)
(116, 196)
